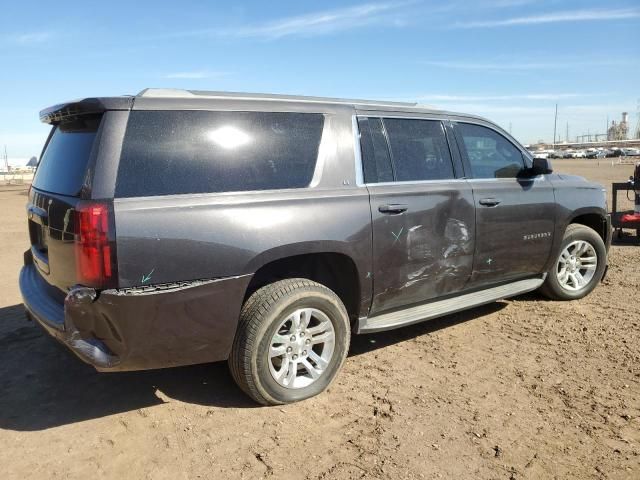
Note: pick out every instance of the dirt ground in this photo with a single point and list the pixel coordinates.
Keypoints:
(524, 388)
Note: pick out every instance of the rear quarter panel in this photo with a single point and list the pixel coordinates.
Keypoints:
(210, 236)
(166, 239)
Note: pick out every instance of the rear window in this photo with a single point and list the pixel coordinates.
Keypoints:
(63, 166)
(176, 152)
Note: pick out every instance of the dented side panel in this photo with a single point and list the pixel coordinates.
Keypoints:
(427, 251)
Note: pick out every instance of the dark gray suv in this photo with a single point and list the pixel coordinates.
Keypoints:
(179, 227)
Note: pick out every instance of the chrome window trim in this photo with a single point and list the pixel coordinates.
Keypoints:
(537, 177)
(417, 182)
(440, 119)
(402, 117)
(357, 151)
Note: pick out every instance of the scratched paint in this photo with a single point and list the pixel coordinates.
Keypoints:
(147, 277)
(397, 235)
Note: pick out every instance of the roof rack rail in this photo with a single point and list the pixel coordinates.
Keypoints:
(178, 93)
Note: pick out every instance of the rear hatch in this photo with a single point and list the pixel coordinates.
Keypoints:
(59, 193)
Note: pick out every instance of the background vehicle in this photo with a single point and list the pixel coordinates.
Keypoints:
(179, 227)
(616, 152)
(596, 154)
(539, 154)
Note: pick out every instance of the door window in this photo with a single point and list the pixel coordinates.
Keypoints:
(490, 154)
(376, 161)
(419, 150)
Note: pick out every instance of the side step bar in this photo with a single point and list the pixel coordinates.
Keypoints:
(409, 316)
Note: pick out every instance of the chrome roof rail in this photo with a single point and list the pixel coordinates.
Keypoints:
(177, 93)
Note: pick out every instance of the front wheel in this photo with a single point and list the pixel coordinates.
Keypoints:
(292, 339)
(579, 267)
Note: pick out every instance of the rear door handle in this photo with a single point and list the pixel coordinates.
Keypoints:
(489, 202)
(393, 209)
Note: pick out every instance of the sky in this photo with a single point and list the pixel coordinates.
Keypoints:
(508, 60)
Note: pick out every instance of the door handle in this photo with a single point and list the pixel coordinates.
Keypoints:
(393, 209)
(489, 202)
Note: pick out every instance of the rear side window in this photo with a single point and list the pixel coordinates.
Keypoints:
(63, 166)
(419, 149)
(490, 154)
(175, 152)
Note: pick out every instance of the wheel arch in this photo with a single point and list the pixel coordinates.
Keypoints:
(332, 268)
(594, 218)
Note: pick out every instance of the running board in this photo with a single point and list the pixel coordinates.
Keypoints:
(409, 316)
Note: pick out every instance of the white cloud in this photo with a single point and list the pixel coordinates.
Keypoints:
(31, 38)
(312, 24)
(508, 3)
(506, 65)
(195, 75)
(596, 14)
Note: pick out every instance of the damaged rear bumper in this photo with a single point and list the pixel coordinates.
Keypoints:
(140, 328)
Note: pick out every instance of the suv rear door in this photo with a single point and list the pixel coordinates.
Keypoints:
(422, 211)
(58, 186)
(515, 214)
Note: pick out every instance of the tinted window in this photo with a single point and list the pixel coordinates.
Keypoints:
(375, 153)
(196, 152)
(490, 154)
(63, 166)
(419, 149)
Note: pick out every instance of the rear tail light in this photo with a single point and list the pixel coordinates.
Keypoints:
(95, 261)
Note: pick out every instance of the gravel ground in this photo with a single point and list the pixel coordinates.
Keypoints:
(524, 388)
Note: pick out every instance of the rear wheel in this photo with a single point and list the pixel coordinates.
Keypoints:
(579, 267)
(292, 339)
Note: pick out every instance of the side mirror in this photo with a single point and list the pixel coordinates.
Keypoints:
(541, 166)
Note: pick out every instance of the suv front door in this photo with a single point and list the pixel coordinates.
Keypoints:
(422, 212)
(515, 214)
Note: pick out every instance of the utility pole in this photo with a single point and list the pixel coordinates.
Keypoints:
(638, 120)
(567, 132)
(555, 124)
(6, 159)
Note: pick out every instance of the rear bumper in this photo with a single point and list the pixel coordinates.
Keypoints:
(142, 328)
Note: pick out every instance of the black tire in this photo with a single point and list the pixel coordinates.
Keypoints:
(552, 287)
(261, 316)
